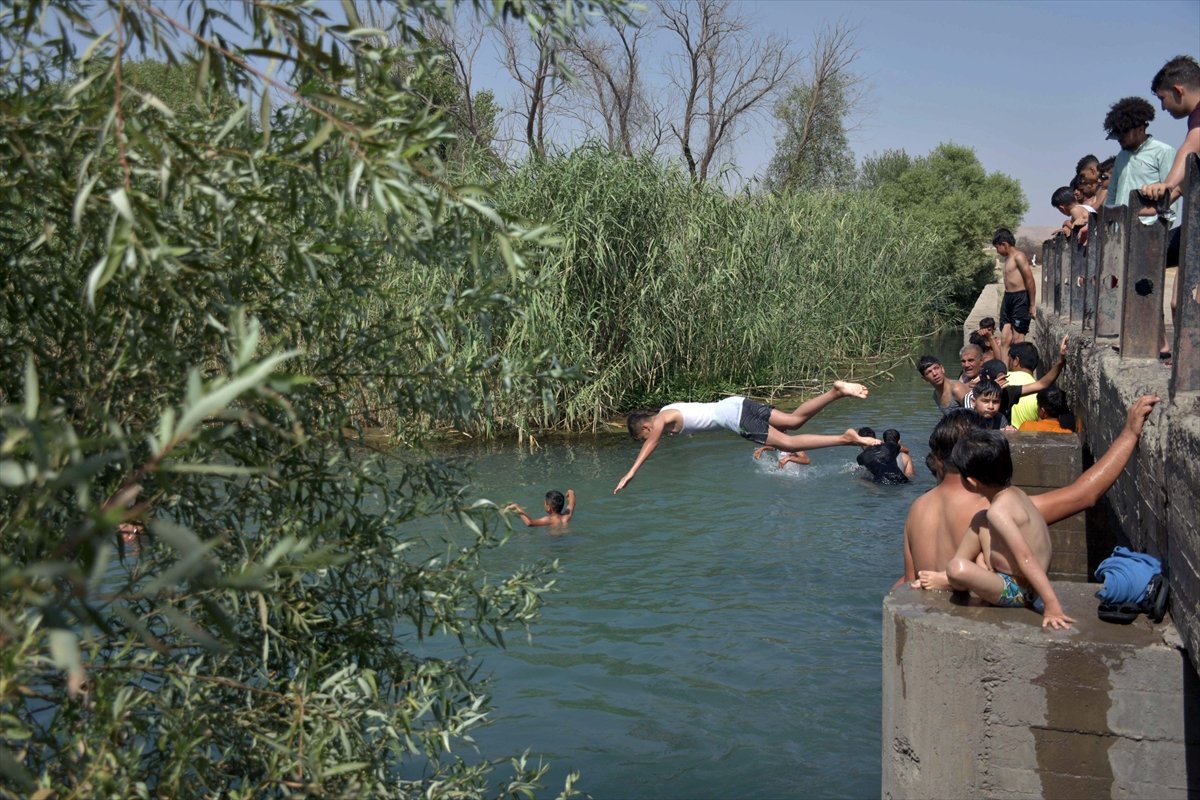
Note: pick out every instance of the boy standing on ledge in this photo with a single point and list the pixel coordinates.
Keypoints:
(1019, 307)
(750, 419)
(1010, 534)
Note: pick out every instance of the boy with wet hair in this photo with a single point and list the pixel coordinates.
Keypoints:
(559, 509)
(881, 460)
(1011, 535)
(947, 395)
(904, 460)
(750, 419)
(1019, 307)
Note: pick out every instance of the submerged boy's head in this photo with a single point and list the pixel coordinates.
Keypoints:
(556, 501)
(638, 423)
(984, 457)
(945, 435)
(891, 436)
(987, 398)
(867, 432)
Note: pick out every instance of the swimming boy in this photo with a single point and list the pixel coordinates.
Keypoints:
(750, 419)
(799, 457)
(558, 509)
(882, 460)
(1019, 307)
(945, 394)
(1011, 534)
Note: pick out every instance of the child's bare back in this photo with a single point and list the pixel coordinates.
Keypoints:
(1012, 511)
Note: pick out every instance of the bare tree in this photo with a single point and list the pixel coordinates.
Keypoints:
(533, 63)
(725, 74)
(610, 85)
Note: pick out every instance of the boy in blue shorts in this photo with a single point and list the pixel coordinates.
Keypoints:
(750, 419)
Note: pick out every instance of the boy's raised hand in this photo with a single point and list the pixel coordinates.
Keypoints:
(1141, 408)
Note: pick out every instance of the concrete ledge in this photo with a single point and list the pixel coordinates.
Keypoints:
(1152, 506)
(981, 702)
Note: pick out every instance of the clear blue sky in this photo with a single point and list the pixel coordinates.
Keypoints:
(1026, 84)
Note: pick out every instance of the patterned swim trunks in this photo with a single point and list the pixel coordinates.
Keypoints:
(1014, 596)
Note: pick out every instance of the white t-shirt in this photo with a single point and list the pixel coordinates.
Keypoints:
(697, 417)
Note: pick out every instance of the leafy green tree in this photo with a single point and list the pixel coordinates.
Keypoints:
(208, 586)
(814, 152)
(950, 189)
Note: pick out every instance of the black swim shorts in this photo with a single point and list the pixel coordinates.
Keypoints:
(1015, 311)
(755, 421)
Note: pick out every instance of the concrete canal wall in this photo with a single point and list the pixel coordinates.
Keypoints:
(981, 702)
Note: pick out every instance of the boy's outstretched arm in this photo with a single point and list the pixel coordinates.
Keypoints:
(651, 442)
(1058, 504)
(520, 512)
(1003, 525)
(1051, 375)
(570, 509)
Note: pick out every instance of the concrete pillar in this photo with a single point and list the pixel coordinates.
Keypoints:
(982, 702)
(1113, 226)
(1145, 267)
(1185, 376)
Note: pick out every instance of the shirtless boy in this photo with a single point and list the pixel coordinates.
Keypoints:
(750, 419)
(938, 519)
(558, 510)
(1011, 535)
(947, 395)
(1019, 308)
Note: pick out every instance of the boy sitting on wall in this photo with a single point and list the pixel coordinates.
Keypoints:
(1010, 535)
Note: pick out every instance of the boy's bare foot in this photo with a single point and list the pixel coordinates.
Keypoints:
(847, 389)
(853, 437)
(928, 579)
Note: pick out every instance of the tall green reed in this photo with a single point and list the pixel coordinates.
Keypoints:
(661, 291)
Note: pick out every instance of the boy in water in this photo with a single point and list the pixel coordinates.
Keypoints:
(799, 457)
(558, 510)
(750, 419)
(881, 460)
(1011, 535)
(986, 399)
(1019, 308)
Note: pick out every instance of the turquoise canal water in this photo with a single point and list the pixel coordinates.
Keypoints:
(715, 632)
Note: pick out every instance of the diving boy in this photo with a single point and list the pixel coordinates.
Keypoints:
(1010, 534)
(558, 509)
(1019, 307)
(750, 419)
